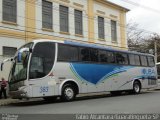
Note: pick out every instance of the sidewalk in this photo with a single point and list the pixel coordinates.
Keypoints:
(8, 101)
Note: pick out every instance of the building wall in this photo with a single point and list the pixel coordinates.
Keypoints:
(29, 23)
(16, 27)
(9, 42)
(106, 12)
(56, 25)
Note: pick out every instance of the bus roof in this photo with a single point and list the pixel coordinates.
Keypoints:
(91, 45)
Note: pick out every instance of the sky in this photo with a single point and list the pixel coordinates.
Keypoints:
(146, 13)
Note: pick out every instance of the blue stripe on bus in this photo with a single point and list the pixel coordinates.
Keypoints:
(94, 73)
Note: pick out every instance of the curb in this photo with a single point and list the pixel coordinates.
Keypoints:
(8, 101)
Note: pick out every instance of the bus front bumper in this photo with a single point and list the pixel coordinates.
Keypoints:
(18, 94)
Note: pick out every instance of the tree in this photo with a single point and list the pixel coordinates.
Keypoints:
(135, 37)
(153, 43)
(142, 41)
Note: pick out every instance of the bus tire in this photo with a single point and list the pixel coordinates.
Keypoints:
(68, 93)
(136, 87)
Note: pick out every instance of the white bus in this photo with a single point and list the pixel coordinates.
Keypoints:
(49, 68)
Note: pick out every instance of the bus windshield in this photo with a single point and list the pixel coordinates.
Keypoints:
(42, 60)
(19, 68)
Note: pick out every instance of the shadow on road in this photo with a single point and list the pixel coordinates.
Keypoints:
(34, 102)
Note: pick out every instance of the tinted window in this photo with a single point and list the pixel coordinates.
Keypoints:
(158, 71)
(94, 55)
(103, 56)
(84, 54)
(134, 59)
(111, 57)
(67, 53)
(143, 60)
(137, 60)
(151, 61)
(42, 60)
(121, 58)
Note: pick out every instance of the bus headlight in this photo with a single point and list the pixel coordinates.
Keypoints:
(22, 88)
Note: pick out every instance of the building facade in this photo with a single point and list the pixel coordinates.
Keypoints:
(93, 21)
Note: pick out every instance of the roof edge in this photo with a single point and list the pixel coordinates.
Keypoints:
(114, 4)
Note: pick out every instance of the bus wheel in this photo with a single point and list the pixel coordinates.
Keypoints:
(68, 93)
(136, 87)
(50, 99)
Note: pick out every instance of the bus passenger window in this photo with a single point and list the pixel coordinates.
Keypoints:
(103, 58)
(84, 54)
(94, 55)
(144, 61)
(111, 57)
(67, 53)
(134, 59)
(151, 61)
(121, 58)
(137, 60)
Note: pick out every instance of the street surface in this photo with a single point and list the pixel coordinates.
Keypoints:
(147, 102)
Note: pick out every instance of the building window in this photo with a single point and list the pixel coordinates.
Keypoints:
(113, 31)
(78, 22)
(47, 14)
(10, 10)
(101, 27)
(9, 51)
(64, 20)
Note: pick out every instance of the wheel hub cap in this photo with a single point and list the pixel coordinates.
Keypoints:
(136, 88)
(69, 92)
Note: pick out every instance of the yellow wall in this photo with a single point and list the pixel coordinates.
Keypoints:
(123, 30)
(90, 21)
(30, 23)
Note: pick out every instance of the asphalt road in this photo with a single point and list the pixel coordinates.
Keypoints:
(147, 102)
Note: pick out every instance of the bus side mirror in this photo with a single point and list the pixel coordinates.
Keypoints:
(2, 66)
(22, 53)
(19, 57)
(4, 61)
